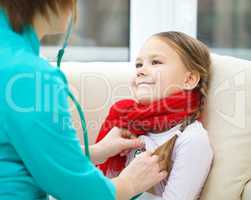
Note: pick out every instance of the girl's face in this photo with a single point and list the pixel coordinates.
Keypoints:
(160, 72)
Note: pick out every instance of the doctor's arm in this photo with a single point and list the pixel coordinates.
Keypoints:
(116, 141)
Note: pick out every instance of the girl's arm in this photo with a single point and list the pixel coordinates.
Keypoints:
(192, 161)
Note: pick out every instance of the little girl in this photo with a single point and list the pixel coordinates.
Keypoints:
(171, 85)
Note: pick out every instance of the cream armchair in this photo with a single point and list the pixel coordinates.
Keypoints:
(227, 117)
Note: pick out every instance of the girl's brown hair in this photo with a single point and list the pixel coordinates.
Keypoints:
(22, 12)
(196, 57)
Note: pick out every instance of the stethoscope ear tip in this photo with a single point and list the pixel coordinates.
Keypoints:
(60, 57)
(66, 40)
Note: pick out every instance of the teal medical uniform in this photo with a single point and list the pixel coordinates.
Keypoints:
(40, 154)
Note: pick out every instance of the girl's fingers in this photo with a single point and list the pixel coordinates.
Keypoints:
(124, 153)
(127, 134)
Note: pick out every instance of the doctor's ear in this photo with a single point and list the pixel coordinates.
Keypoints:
(192, 79)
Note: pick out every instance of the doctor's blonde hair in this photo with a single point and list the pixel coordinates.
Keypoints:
(22, 12)
(196, 57)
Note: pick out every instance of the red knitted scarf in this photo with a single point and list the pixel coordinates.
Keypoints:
(140, 119)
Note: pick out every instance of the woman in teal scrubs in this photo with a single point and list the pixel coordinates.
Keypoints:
(40, 153)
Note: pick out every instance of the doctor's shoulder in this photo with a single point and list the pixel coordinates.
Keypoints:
(21, 65)
(24, 77)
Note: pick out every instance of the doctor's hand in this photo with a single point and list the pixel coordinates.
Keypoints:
(117, 141)
(139, 176)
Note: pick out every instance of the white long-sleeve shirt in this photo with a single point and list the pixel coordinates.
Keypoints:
(192, 158)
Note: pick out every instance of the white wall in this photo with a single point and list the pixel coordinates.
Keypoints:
(152, 16)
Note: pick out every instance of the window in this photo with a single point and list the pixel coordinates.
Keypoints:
(225, 26)
(106, 28)
(101, 33)
(152, 16)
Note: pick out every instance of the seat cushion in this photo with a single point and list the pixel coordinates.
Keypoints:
(228, 120)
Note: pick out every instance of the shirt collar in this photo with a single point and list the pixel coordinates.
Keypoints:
(175, 129)
(30, 35)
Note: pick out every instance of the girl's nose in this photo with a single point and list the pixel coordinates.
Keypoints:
(142, 71)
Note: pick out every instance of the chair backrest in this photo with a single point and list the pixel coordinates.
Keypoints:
(227, 116)
(97, 86)
(228, 120)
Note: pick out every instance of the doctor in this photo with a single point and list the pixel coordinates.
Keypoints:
(39, 153)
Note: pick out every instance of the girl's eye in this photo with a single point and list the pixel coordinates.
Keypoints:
(156, 62)
(138, 65)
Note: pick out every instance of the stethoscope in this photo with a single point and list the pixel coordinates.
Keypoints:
(75, 101)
